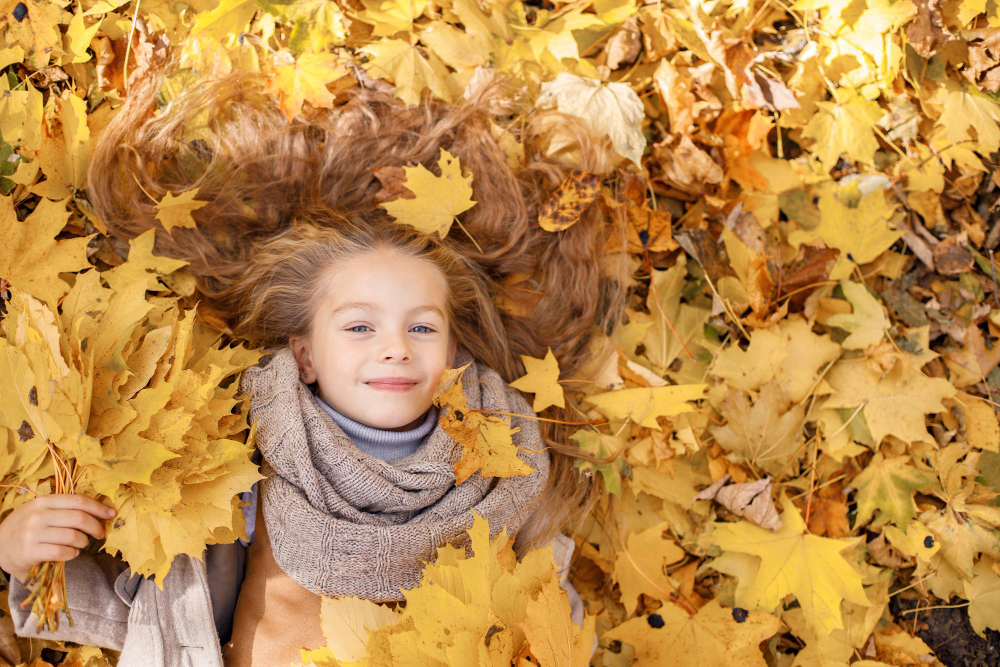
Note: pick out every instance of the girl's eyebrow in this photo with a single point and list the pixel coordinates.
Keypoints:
(367, 305)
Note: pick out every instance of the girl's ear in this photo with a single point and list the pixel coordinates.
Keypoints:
(301, 349)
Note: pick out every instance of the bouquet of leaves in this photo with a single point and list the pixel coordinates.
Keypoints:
(116, 394)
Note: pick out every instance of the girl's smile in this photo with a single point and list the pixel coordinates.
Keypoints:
(393, 383)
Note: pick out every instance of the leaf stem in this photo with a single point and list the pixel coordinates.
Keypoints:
(18, 486)
(471, 237)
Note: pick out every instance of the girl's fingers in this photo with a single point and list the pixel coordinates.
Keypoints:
(81, 521)
(63, 536)
(75, 501)
(56, 552)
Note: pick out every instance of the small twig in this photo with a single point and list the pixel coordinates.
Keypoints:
(596, 422)
(939, 606)
(906, 588)
(820, 486)
(993, 272)
(810, 286)
(128, 47)
(812, 480)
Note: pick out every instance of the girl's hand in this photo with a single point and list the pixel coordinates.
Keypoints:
(51, 527)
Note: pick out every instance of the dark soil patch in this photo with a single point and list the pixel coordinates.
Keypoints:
(950, 635)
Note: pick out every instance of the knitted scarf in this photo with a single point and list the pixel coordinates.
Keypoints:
(342, 522)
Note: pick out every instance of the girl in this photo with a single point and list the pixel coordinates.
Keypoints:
(361, 315)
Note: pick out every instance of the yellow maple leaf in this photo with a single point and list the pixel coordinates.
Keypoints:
(346, 622)
(79, 35)
(983, 593)
(492, 452)
(867, 324)
(487, 441)
(964, 109)
(644, 404)
(844, 127)
(861, 231)
(609, 109)
(65, 149)
(391, 16)
(10, 55)
(142, 264)
(749, 369)
(894, 404)
(665, 344)
(30, 257)
(438, 198)
(602, 445)
(714, 636)
(639, 565)
(226, 20)
(13, 105)
(807, 353)
(791, 560)
(35, 28)
(768, 434)
(887, 485)
(913, 541)
(304, 79)
(175, 211)
(318, 23)
(553, 637)
(541, 379)
(399, 61)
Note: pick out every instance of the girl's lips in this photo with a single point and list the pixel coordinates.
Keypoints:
(391, 386)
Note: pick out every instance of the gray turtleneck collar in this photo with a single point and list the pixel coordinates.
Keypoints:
(382, 443)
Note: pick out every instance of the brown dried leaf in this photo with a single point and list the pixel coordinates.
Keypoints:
(564, 207)
(750, 500)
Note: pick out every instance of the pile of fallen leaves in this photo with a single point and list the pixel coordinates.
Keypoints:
(117, 396)
(799, 430)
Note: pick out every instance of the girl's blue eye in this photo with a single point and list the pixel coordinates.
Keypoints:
(419, 326)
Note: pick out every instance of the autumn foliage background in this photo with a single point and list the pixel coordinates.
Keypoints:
(798, 436)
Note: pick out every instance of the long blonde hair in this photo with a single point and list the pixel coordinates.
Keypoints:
(287, 199)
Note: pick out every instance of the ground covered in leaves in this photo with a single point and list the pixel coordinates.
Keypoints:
(799, 427)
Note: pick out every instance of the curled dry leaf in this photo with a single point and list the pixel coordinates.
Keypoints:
(571, 199)
(750, 500)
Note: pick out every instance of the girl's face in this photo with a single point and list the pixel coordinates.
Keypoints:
(380, 339)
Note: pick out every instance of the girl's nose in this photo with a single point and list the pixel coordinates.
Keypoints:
(396, 349)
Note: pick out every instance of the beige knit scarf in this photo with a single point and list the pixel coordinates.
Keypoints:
(342, 522)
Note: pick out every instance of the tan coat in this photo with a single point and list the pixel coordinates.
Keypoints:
(275, 616)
